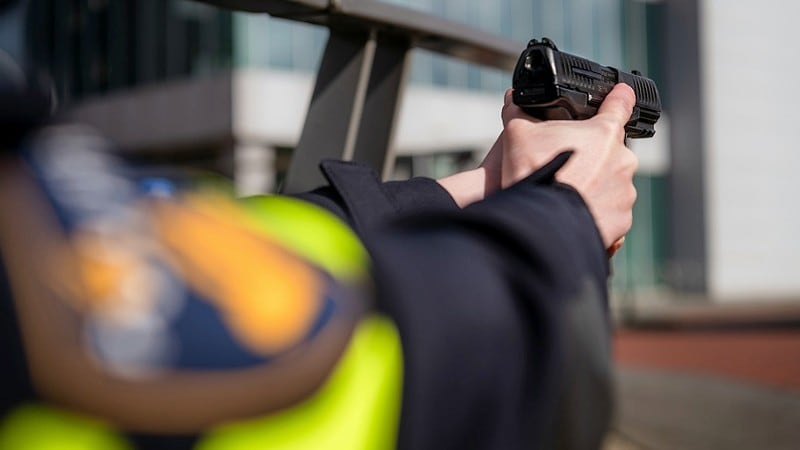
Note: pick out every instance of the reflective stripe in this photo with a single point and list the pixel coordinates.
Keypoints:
(313, 232)
(41, 427)
(357, 408)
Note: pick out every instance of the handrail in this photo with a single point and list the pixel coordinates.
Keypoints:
(362, 75)
(426, 31)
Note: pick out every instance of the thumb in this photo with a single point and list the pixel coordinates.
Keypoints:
(508, 97)
(618, 104)
(511, 111)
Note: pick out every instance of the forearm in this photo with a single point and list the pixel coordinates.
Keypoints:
(491, 292)
(466, 187)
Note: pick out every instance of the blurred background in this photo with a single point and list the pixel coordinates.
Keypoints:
(706, 292)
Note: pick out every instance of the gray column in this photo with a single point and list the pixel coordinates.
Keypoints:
(254, 168)
(687, 259)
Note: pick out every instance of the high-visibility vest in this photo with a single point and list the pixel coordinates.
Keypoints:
(358, 405)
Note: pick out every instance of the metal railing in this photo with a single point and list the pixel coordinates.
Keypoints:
(363, 72)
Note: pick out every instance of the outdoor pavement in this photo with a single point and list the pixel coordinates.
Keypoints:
(707, 389)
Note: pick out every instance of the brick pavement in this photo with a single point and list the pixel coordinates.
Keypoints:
(731, 388)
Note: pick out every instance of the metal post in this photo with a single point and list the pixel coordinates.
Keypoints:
(374, 144)
(687, 265)
(335, 111)
(353, 107)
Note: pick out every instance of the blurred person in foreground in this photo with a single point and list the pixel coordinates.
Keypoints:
(148, 308)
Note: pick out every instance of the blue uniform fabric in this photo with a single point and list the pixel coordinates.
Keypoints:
(160, 238)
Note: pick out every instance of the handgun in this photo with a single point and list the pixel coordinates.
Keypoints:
(552, 85)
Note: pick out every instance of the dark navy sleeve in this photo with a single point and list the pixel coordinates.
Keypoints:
(357, 196)
(501, 309)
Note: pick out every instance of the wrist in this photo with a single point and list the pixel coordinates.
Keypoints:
(466, 187)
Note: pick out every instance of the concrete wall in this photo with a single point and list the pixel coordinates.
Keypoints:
(751, 66)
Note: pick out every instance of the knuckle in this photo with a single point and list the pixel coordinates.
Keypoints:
(632, 162)
(512, 126)
(504, 113)
(625, 221)
(516, 125)
(628, 223)
(610, 129)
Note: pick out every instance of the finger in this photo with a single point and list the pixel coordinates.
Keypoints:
(618, 104)
(611, 251)
(507, 99)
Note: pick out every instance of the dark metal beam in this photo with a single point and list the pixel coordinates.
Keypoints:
(353, 107)
(424, 30)
(334, 114)
(373, 144)
(275, 7)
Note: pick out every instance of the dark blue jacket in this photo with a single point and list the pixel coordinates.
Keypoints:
(501, 308)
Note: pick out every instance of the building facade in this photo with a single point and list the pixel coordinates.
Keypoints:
(247, 78)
